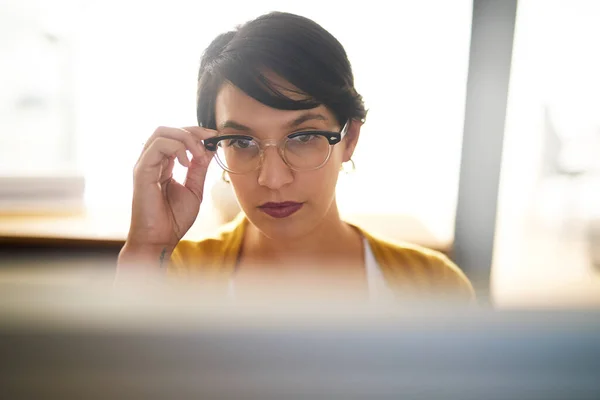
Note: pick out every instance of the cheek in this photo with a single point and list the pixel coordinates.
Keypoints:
(244, 187)
(337, 155)
(319, 185)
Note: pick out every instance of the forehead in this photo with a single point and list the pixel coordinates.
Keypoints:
(232, 104)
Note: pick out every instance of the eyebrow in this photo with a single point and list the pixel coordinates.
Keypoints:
(234, 125)
(309, 116)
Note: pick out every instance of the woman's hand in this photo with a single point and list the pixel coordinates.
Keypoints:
(163, 210)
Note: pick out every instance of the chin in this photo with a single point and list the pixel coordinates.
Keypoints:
(294, 226)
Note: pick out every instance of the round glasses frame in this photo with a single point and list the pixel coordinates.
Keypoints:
(333, 138)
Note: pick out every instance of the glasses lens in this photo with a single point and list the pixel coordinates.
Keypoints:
(306, 151)
(238, 155)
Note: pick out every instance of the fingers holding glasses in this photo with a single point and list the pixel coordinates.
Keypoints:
(157, 157)
(167, 144)
(201, 134)
(191, 136)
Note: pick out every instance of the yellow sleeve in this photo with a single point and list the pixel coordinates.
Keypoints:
(452, 280)
(191, 257)
(420, 272)
(210, 257)
(178, 263)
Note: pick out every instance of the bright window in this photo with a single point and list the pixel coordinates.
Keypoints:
(135, 68)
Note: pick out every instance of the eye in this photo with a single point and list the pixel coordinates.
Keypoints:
(239, 143)
(307, 138)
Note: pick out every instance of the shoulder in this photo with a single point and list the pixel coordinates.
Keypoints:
(418, 270)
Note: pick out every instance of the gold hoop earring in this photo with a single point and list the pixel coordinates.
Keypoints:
(348, 167)
(225, 177)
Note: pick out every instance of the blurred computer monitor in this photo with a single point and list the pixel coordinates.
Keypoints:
(61, 346)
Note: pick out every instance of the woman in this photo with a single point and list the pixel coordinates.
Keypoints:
(278, 110)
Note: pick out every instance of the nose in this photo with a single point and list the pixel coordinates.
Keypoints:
(274, 172)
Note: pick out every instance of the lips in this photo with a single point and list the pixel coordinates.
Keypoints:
(280, 210)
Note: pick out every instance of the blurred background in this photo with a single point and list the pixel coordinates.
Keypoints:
(83, 84)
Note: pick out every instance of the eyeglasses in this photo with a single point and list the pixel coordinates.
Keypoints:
(301, 151)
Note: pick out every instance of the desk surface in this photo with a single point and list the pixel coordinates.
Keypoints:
(110, 228)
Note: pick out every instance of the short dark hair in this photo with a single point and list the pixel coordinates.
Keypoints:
(293, 47)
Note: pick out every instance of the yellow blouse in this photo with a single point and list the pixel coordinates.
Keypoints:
(408, 269)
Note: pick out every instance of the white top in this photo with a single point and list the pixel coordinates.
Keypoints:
(378, 289)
